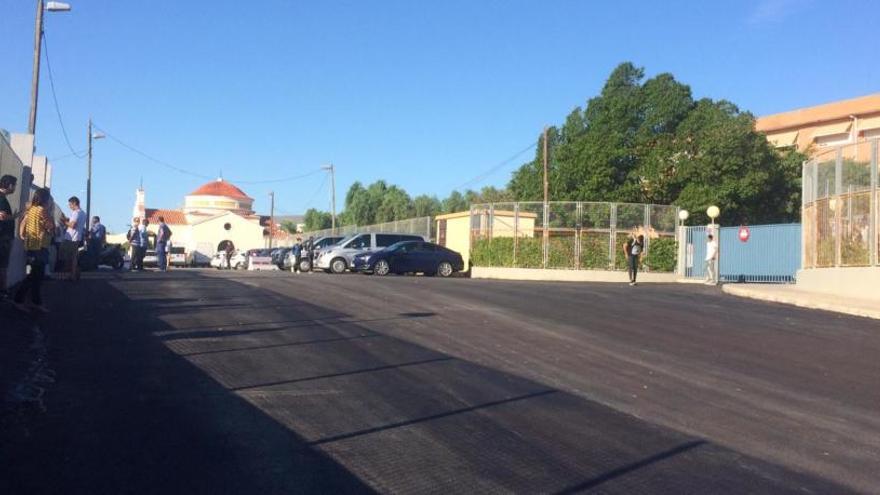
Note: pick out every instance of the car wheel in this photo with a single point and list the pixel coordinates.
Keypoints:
(338, 265)
(444, 269)
(238, 266)
(381, 268)
(305, 266)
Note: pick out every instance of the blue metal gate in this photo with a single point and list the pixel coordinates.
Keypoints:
(772, 253)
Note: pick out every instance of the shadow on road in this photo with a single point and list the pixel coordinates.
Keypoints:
(151, 399)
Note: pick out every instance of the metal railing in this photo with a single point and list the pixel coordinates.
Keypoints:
(418, 225)
(571, 235)
(840, 207)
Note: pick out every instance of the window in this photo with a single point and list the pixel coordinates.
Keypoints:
(430, 248)
(385, 240)
(360, 242)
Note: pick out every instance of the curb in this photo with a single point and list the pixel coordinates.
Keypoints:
(802, 302)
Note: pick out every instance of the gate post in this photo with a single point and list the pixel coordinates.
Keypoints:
(613, 236)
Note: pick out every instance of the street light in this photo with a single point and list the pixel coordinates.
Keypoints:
(332, 171)
(92, 136)
(713, 213)
(38, 38)
(683, 215)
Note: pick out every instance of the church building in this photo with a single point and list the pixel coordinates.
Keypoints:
(212, 216)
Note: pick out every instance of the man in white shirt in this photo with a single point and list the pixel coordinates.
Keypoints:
(74, 236)
(711, 261)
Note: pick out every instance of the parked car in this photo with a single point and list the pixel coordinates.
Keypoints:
(237, 262)
(319, 244)
(279, 255)
(339, 257)
(410, 257)
(177, 256)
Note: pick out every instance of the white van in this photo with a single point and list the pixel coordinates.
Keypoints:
(338, 257)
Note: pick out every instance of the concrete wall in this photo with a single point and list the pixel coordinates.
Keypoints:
(619, 277)
(859, 283)
(12, 164)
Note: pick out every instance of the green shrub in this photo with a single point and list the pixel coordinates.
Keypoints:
(662, 255)
(529, 253)
(594, 250)
(561, 252)
(492, 252)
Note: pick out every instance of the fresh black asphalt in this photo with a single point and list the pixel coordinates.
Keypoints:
(244, 382)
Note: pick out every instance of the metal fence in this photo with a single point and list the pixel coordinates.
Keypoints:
(840, 212)
(771, 254)
(420, 226)
(571, 235)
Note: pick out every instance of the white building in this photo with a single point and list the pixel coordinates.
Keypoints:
(213, 215)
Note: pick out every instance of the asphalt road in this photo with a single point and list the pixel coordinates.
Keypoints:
(236, 382)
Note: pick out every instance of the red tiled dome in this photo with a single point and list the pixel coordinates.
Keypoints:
(220, 188)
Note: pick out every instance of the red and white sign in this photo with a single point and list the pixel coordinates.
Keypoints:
(744, 234)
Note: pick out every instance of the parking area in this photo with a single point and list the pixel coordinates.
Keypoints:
(348, 383)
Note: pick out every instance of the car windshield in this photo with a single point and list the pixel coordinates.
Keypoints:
(400, 246)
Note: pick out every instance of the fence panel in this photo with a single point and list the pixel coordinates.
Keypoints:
(772, 254)
(695, 252)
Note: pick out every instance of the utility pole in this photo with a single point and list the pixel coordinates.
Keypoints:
(89, 180)
(38, 43)
(546, 217)
(332, 197)
(271, 217)
(92, 136)
(35, 78)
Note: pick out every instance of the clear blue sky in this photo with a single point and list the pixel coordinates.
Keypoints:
(426, 95)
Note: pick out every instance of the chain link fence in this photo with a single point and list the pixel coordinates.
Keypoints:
(571, 235)
(423, 226)
(840, 198)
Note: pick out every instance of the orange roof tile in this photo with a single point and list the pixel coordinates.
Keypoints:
(172, 217)
(220, 188)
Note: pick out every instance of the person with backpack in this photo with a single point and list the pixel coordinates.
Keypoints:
(633, 249)
(35, 229)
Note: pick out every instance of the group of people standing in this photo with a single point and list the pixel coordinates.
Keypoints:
(139, 239)
(43, 239)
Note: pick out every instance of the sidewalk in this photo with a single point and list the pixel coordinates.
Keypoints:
(791, 294)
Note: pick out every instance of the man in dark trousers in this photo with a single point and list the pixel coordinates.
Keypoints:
(7, 229)
(230, 250)
(163, 235)
(297, 256)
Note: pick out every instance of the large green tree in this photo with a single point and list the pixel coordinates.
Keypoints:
(650, 141)
(317, 220)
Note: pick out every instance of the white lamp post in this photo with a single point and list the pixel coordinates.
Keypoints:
(682, 248)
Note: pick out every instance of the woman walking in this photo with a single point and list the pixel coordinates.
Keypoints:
(633, 248)
(35, 230)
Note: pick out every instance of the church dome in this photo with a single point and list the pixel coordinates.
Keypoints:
(220, 187)
(217, 197)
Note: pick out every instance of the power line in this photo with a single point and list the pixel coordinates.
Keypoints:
(483, 176)
(315, 194)
(196, 174)
(149, 157)
(55, 99)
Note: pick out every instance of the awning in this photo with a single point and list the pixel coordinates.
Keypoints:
(784, 139)
(869, 123)
(832, 129)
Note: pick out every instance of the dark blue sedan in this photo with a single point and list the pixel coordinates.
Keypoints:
(410, 257)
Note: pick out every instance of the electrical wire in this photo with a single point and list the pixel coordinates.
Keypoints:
(483, 176)
(315, 194)
(55, 99)
(196, 174)
(149, 157)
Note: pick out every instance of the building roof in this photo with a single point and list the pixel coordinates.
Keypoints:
(818, 114)
(497, 213)
(172, 217)
(220, 187)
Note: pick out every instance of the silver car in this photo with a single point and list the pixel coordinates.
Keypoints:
(339, 257)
